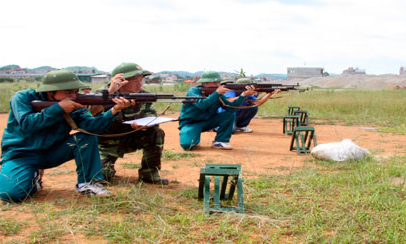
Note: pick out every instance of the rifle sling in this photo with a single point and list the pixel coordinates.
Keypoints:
(74, 127)
(244, 107)
(229, 106)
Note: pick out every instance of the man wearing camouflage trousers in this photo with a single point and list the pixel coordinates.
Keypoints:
(127, 78)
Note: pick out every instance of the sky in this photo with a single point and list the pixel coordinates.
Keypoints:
(259, 36)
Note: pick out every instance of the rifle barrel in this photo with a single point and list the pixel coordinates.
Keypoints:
(107, 99)
(239, 88)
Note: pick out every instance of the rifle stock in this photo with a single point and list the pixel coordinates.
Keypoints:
(107, 99)
(261, 87)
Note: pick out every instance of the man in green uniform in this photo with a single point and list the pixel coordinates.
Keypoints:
(202, 115)
(245, 115)
(34, 141)
(127, 78)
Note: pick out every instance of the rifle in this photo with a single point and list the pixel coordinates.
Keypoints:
(106, 99)
(261, 87)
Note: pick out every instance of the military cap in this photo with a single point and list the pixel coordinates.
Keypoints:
(244, 81)
(130, 70)
(210, 76)
(226, 82)
(58, 80)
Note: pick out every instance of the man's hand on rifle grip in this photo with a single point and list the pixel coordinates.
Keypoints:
(121, 103)
(249, 92)
(222, 89)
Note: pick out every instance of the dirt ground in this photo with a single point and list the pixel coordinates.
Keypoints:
(264, 151)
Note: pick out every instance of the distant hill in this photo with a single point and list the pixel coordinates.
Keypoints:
(366, 82)
(10, 67)
(83, 69)
(43, 69)
(231, 73)
(184, 74)
(93, 70)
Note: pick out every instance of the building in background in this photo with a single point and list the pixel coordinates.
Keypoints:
(99, 79)
(16, 72)
(168, 78)
(94, 78)
(161, 78)
(352, 71)
(19, 75)
(304, 72)
(86, 77)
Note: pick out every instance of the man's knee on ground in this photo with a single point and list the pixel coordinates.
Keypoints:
(16, 187)
(187, 147)
(13, 196)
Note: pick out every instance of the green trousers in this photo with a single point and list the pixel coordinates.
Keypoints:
(17, 174)
(190, 132)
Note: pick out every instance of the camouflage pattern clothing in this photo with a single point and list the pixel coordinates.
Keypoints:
(150, 140)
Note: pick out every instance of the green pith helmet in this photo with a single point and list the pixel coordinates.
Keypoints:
(86, 86)
(58, 80)
(244, 81)
(226, 82)
(210, 76)
(130, 70)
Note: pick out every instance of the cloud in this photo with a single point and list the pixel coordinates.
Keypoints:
(285, 2)
(259, 36)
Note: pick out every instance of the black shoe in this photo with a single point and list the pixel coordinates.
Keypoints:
(161, 181)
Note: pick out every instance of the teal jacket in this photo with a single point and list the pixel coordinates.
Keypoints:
(206, 108)
(30, 131)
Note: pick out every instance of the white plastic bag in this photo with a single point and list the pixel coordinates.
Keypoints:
(339, 151)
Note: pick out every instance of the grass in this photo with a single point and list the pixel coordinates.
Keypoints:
(7, 90)
(340, 203)
(377, 108)
(323, 202)
(56, 171)
(9, 226)
(166, 155)
(132, 166)
(354, 202)
(383, 108)
(171, 155)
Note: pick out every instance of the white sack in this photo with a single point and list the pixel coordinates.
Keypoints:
(339, 151)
